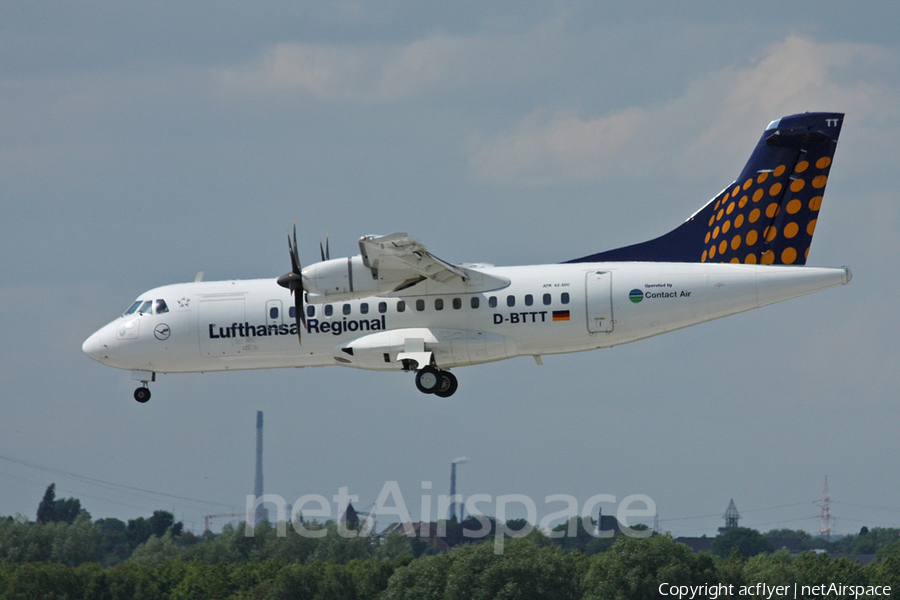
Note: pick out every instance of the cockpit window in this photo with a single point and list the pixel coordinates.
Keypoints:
(131, 309)
(161, 307)
(146, 308)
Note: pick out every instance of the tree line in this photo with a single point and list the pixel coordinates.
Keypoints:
(66, 555)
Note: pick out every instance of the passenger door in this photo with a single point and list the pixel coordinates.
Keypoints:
(598, 296)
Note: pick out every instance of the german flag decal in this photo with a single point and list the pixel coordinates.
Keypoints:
(560, 315)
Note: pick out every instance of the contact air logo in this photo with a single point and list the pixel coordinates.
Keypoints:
(635, 295)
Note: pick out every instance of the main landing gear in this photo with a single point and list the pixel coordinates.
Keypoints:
(434, 381)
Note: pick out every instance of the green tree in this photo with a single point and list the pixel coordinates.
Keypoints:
(51, 510)
(139, 530)
(113, 542)
(48, 581)
(472, 571)
(46, 511)
(886, 572)
(334, 547)
(203, 581)
(804, 539)
(576, 534)
(634, 568)
(396, 545)
(524, 570)
(76, 543)
(815, 569)
(888, 549)
(68, 509)
(870, 541)
(773, 569)
(749, 542)
(157, 550)
(422, 579)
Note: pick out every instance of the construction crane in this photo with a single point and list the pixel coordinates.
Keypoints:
(208, 518)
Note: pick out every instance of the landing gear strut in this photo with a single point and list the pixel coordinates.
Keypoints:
(434, 381)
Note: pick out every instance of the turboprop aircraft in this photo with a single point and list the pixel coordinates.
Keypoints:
(395, 306)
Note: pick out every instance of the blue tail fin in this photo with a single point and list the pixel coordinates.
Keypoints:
(768, 215)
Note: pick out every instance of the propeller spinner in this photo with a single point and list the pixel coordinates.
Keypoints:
(294, 282)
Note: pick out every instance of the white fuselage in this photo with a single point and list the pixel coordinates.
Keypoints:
(545, 309)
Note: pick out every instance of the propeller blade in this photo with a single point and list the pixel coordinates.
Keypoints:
(295, 257)
(299, 317)
(294, 282)
(325, 252)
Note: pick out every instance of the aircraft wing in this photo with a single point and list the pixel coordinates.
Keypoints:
(397, 252)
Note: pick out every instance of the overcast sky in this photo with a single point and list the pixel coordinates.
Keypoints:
(143, 142)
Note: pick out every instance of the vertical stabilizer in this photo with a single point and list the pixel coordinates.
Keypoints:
(768, 214)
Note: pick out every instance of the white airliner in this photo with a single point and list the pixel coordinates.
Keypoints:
(397, 307)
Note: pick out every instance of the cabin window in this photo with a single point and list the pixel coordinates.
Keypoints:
(346, 309)
(329, 310)
(510, 300)
(401, 306)
(546, 299)
(273, 313)
(457, 303)
(565, 297)
(161, 307)
(310, 311)
(529, 299)
(492, 301)
(131, 309)
(420, 305)
(382, 307)
(475, 302)
(364, 308)
(438, 304)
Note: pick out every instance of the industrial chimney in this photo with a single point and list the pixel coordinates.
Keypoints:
(456, 508)
(261, 513)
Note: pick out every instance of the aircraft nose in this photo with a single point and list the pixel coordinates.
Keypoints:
(94, 348)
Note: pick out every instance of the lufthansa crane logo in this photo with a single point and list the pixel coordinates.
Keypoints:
(162, 331)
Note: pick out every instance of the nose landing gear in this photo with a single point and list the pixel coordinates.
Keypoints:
(435, 381)
(142, 394)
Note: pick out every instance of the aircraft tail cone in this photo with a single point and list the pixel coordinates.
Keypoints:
(774, 284)
(848, 275)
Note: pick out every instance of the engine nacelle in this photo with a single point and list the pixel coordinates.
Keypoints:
(347, 279)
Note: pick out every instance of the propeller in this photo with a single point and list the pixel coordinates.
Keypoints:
(294, 282)
(325, 252)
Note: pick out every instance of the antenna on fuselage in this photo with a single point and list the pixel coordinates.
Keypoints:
(198, 277)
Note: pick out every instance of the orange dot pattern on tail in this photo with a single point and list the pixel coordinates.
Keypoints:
(769, 219)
